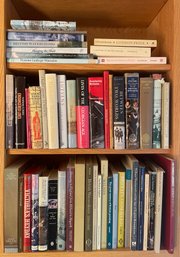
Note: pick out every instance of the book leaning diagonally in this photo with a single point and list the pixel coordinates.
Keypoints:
(125, 42)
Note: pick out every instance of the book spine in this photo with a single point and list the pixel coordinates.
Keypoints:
(88, 206)
(99, 219)
(43, 214)
(43, 25)
(146, 103)
(53, 60)
(52, 110)
(10, 52)
(106, 110)
(118, 112)
(35, 117)
(132, 110)
(20, 213)
(110, 213)
(165, 114)
(42, 84)
(121, 209)
(35, 213)
(128, 208)
(151, 221)
(52, 214)
(70, 180)
(141, 207)
(28, 122)
(95, 207)
(125, 42)
(146, 212)
(110, 111)
(96, 112)
(132, 60)
(61, 228)
(20, 117)
(62, 94)
(157, 111)
(71, 113)
(82, 113)
(115, 212)
(9, 111)
(27, 213)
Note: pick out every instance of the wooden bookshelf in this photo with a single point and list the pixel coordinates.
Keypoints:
(150, 19)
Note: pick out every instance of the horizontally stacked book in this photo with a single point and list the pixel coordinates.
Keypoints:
(46, 42)
(125, 51)
(90, 203)
(127, 111)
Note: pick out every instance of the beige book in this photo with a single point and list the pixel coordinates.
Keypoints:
(165, 114)
(95, 202)
(110, 111)
(52, 111)
(79, 207)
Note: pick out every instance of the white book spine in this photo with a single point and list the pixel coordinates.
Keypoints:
(61, 229)
(115, 212)
(52, 112)
(53, 60)
(125, 42)
(95, 206)
(45, 50)
(9, 111)
(61, 88)
(42, 84)
(146, 211)
(99, 220)
(132, 60)
(165, 114)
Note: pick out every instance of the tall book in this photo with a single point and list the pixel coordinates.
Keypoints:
(28, 120)
(20, 115)
(82, 112)
(61, 89)
(52, 110)
(106, 110)
(110, 112)
(110, 212)
(118, 112)
(61, 226)
(35, 117)
(9, 111)
(96, 112)
(99, 218)
(146, 211)
(165, 115)
(146, 103)
(71, 113)
(88, 229)
(79, 204)
(42, 84)
(11, 202)
(95, 202)
(132, 110)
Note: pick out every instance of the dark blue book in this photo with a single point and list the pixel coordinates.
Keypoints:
(110, 212)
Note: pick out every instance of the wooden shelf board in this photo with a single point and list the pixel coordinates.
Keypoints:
(85, 151)
(102, 13)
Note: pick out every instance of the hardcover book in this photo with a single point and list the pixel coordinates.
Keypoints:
(165, 115)
(146, 211)
(28, 120)
(96, 112)
(125, 42)
(99, 219)
(106, 110)
(110, 212)
(9, 111)
(95, 202)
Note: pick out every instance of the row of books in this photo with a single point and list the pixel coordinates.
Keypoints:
(90, 203)
(30, 41)
(121, 111)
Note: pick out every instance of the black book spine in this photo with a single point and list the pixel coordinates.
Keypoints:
(20, 114)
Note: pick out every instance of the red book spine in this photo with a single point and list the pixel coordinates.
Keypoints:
(82, 113)
(106, 110)
(27, 213)
(28, 125)
(70, 208)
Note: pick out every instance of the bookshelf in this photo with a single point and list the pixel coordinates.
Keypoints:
(152, 19)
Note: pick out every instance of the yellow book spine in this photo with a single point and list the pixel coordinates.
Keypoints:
(121, 209)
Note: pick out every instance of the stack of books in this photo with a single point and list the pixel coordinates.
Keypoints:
(46, 42)
(125, 51)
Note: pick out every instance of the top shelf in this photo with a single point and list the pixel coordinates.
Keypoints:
(119, 13)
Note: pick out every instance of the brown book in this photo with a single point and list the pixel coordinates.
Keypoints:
(146, 112)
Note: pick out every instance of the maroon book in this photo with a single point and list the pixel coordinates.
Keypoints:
(106, 110)
(168, 165)
(70, 180)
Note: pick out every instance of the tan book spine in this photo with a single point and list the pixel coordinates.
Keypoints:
(165, 114)
(110, 111)
(125, 42)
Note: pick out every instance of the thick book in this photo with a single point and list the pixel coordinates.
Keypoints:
(96, 112)
(9, 111)
(42, 84)
(125, 42)
(20, 115)
(43, 25)
(110, 212)
(132, 110)
(82, 112)
(165, 115)
(120, 51)
(71, 113)
(52, 209)
(132, 60)
(106, 110)
(52, 110)
(62, 110)
(79, 204)
(118, 112)
(146, 103)
(11, 202)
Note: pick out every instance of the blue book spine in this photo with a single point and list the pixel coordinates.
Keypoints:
(141, 207)
(110, 216)
(135, 205)
(115, 212)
